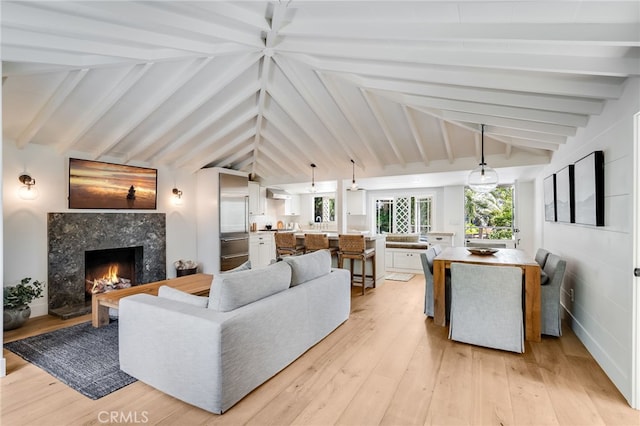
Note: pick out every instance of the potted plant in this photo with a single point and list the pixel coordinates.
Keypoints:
(16, 301)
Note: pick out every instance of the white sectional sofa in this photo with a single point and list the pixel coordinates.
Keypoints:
(211, 352)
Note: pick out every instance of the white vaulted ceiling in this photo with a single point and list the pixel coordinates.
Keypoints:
(270, 87)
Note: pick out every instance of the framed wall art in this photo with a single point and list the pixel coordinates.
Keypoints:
(589, 189)
(564, 195)
(99, 185)
(549, 185)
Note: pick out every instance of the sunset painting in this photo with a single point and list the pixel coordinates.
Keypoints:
(98, 185)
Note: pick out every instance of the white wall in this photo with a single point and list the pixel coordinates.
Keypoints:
(599, 259)
(25, 222)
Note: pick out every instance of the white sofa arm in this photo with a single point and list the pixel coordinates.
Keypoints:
(172, 346)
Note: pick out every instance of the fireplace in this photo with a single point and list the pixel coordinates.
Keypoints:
(111, 269)
(75, 238)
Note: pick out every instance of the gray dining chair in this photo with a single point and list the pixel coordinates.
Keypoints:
(486, 306)
(541, 259)
(427, 266)
(551, 322)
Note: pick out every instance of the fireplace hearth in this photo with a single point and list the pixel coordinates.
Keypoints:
(134, 242)
(111, 269)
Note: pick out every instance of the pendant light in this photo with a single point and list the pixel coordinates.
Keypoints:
(354, 185)
(483, 178)
(313, 177)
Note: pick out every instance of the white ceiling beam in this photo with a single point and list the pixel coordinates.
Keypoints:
(46, 111)
(284, 163)
(296, 142)
(215, 138)
(562, 118)
(235, 156)
(156, 151)
(445, 139)
(534, 126)
(420, 143)
(235, 68)
(296, 115)
(205, 157)
(78, 129)
(244, 164)
(386, 129)
(319, 110)
(226, 12)
(342, 103)
(21, 61)
(525, 134)
(564, 33)
(159, 98)
(401, 52)
(295, 158)
(574, 105)
(595, 87)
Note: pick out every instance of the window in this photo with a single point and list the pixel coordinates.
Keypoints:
(489, 215)
(403, 215)
(324, 209)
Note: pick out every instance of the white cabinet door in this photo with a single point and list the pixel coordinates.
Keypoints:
(407, 260)
(357, 202)
(261, 250)
(257, 199)
(292, 206)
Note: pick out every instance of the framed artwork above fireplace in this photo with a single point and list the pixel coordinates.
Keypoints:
(99, 185)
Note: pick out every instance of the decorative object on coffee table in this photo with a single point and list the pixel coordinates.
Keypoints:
(15, 301)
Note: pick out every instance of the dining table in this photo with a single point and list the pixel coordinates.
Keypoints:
(500, 257)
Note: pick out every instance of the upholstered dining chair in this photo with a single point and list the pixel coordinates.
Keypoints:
(314, 242)
(486, 306)
(551, 322)
(427, 266)
(541, 259)
(286, 244)
(437, 248)
(353, 247)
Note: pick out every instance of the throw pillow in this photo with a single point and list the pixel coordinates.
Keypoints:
(171, 293)
(309, 266)
(231, 291)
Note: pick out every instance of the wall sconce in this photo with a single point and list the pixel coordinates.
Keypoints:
(177, 196)
(27, 191)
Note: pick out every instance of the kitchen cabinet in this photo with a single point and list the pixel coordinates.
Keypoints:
(404, 260)
(257, 199)
(292, 206)
(262, 249)
(443, 239)
(357, 202)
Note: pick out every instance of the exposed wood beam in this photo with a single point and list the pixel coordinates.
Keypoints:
(575, 105)
(420, 143)
(445, 139)
(99, 109)
(564, 33)
(563, 118)
(595, 87)
(342, 103)
(402, 52)
(386, 129)
(226, 12)
(55, 100)
(302, 87)
(235, 156)
(215, 138)
(525, 134)
(281, 127)
(206, 156)
(296, 158)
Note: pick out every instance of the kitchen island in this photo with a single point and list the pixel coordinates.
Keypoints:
(376, 241)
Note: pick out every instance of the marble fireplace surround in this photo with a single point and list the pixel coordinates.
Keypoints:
(71, 234)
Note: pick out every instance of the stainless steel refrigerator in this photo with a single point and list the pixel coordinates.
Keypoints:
(234, 220)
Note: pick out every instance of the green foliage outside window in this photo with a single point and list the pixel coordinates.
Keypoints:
(489, 215)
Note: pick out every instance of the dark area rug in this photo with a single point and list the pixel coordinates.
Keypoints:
(82, 357)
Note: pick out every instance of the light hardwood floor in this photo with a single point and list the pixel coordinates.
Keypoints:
(386, 365)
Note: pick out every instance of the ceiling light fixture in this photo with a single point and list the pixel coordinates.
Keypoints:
(354, 185)
(28, 191)
(313, 177)
(483, 178)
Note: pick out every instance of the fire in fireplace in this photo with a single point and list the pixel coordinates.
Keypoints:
(111, 269)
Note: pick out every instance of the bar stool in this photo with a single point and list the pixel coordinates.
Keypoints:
(353, 247)
(314, 242)
(286, 244)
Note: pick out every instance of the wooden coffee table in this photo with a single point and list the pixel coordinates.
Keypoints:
(198, 284)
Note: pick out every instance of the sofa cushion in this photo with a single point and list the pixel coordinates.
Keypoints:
(231, 291)
(309, 266)
(403, 238)
(171, 293)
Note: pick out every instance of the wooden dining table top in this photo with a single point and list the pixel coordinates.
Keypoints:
(501, 257)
